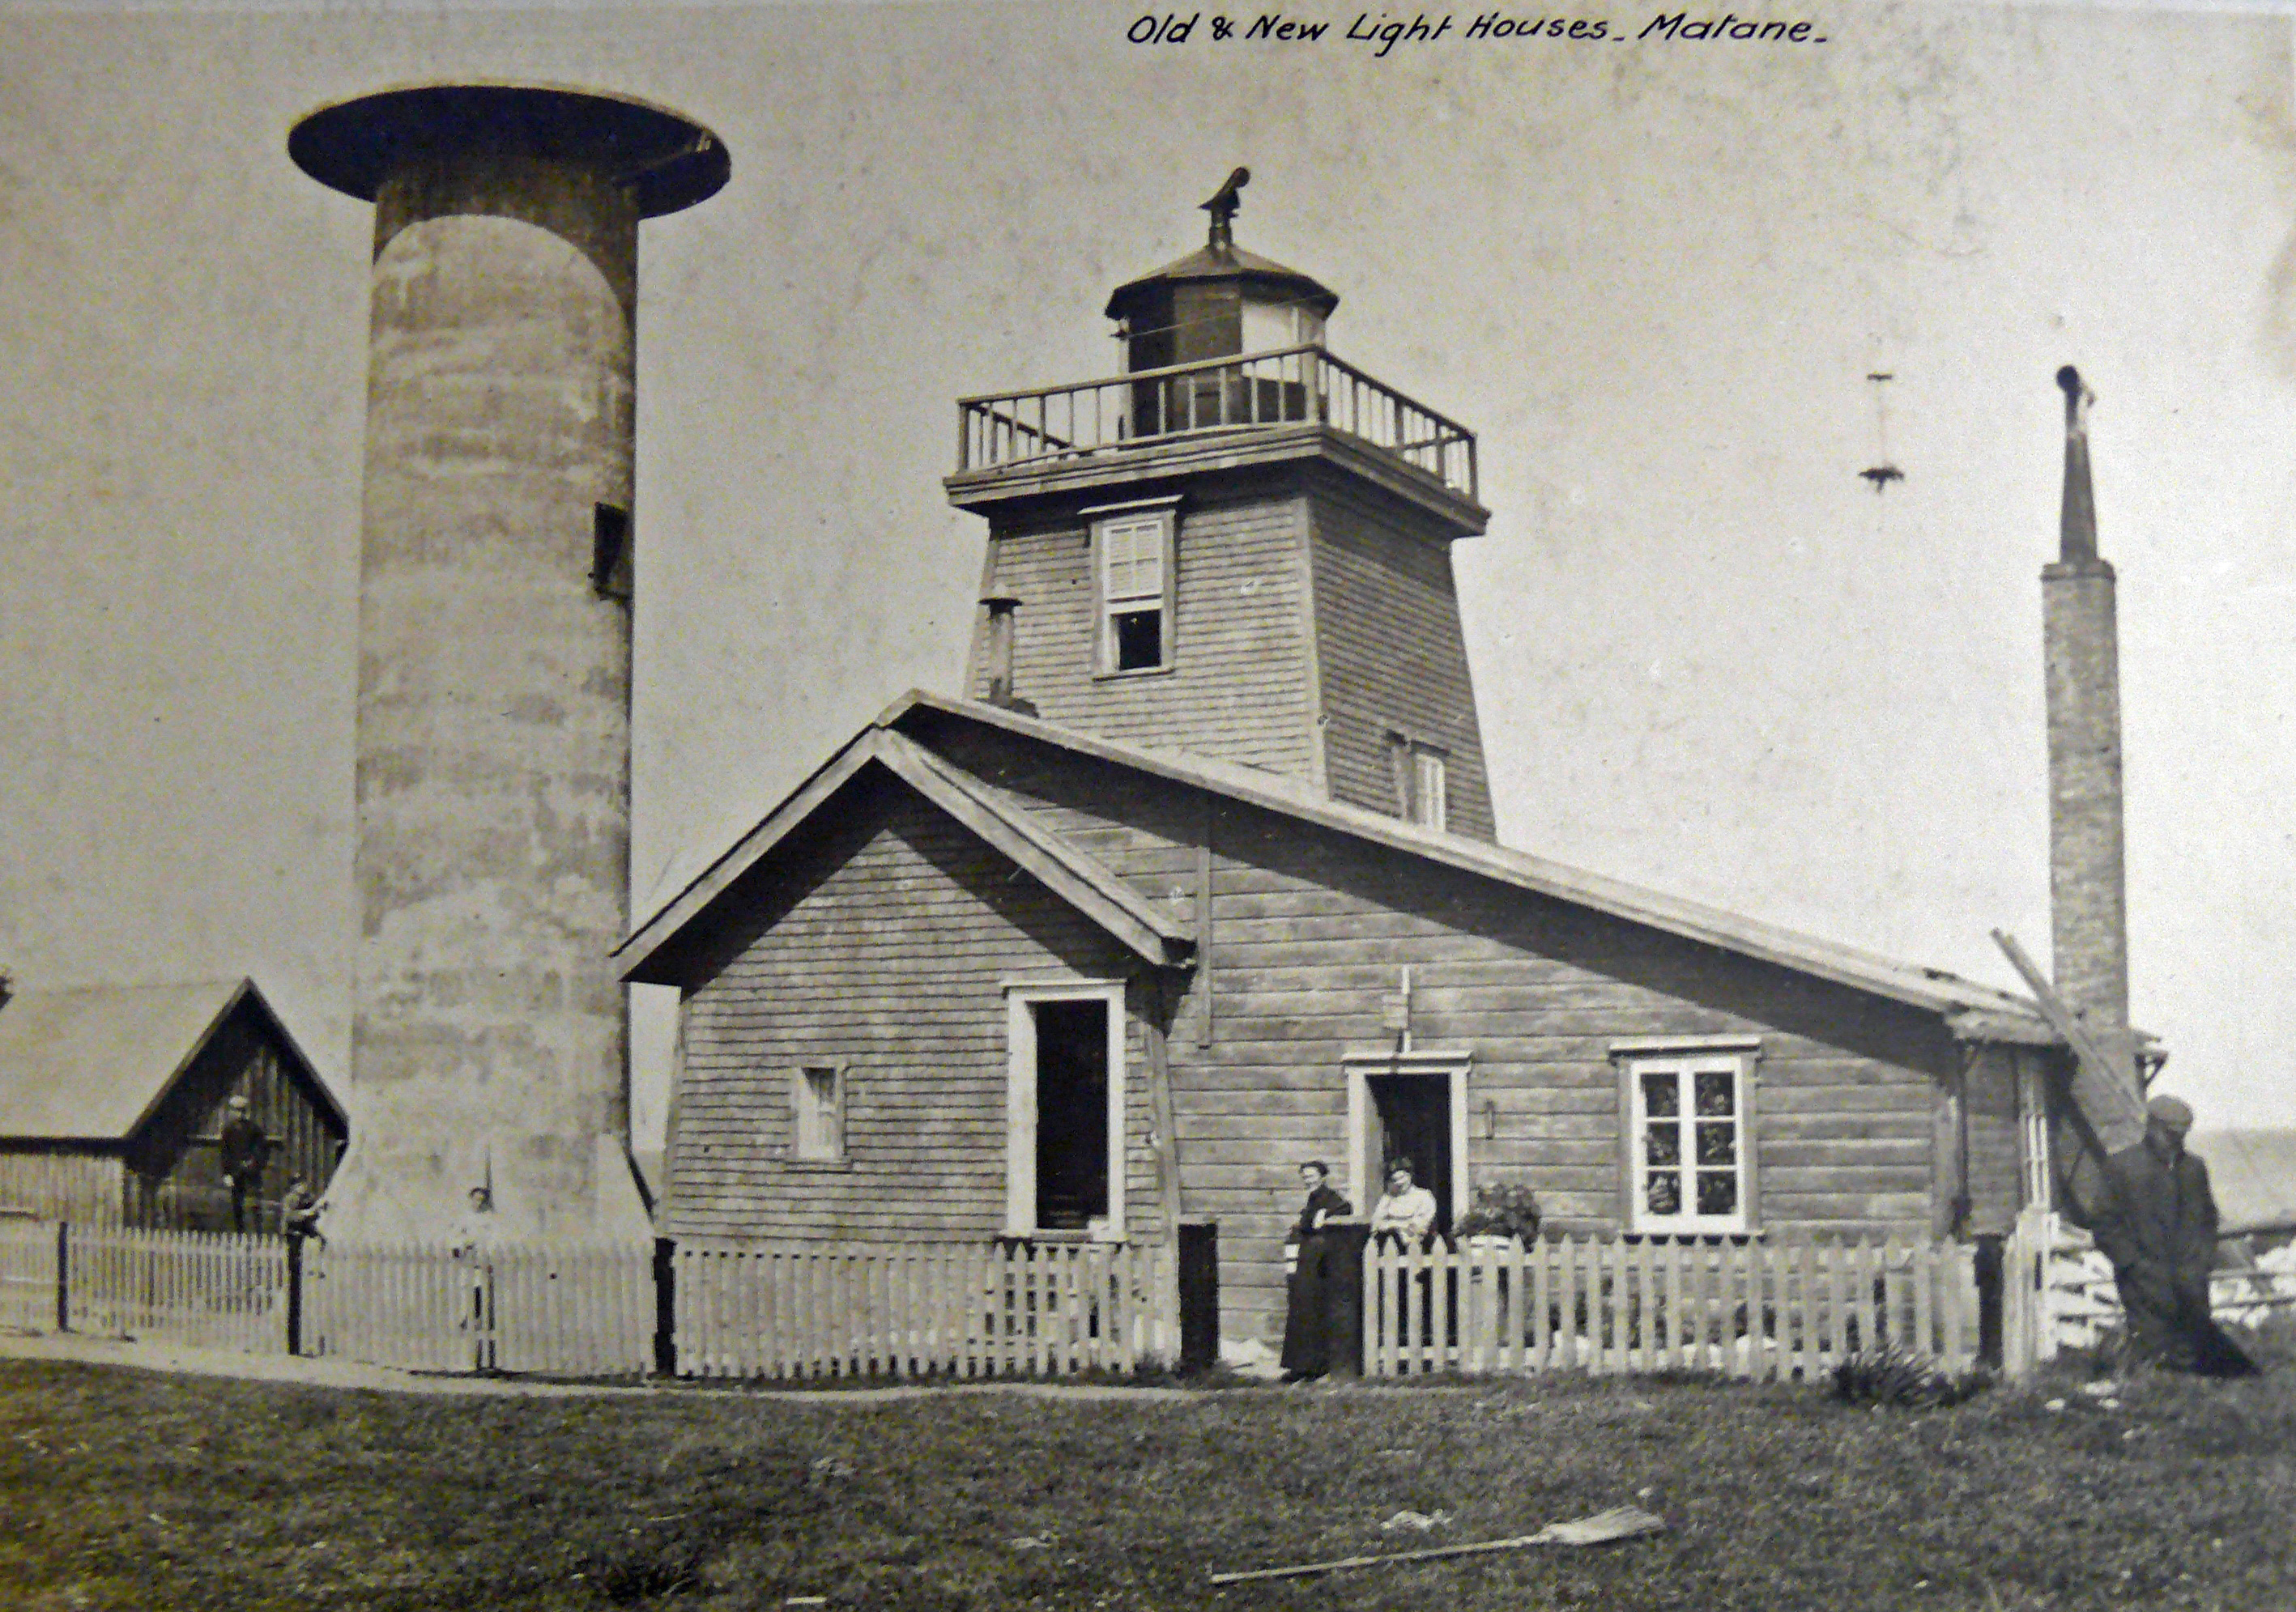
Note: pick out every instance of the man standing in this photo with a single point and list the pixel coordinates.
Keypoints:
(2160, 1231)
(243, 1147)
(474, 1244)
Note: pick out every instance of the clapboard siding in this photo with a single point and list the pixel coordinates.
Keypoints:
(1310, 930)
(881, 943)
(1996, 1178)
(1391, 655)
(1239, 686)
(882, 935)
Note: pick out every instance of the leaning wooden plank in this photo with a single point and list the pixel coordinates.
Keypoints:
(1621, 1522)
(2106, 1093)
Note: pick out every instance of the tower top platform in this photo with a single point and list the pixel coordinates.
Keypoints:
(673, 161)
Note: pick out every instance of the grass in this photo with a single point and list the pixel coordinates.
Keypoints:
(125, 1490)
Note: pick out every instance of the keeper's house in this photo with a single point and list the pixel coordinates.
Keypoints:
(113, 1101)
(1198, 880)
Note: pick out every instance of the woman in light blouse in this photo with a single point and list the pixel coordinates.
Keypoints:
(1404, 1211)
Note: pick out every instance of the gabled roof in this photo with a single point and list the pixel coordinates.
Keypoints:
(1975, 1011)
(1077, 878)
(1924, 987)
(91, 1064)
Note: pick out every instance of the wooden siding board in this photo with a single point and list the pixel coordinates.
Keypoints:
(1391, 655)
(57, 1182)
(1238, 687)
(1311, 931)
(886, 952)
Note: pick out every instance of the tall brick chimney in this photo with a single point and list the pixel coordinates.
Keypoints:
(2088, 895)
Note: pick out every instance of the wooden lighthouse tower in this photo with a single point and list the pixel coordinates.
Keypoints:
(1261, 572)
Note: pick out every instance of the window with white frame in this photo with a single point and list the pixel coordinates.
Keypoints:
(1132, 562)
(817, 1110)
(1687, 1113)
(1422, 782)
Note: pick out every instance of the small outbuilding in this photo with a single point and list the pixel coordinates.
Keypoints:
(113, 1099)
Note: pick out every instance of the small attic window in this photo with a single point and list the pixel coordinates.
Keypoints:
(1132, 569)
(609, 552)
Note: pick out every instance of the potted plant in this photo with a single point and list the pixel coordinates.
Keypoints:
(1499, 1212)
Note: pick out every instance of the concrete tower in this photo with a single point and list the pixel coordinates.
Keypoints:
(2088, 889)
(489, 1036)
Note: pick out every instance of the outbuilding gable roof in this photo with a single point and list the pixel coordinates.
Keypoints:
(1975, 1011)
(91, 1064)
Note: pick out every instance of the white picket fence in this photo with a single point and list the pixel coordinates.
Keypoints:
(213, 1290)
(958, 1310)
(1784, 1306)
(563, 1311)
(27, 1275)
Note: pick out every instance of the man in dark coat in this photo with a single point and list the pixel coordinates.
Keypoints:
(1306, 1332)
(243, 1147)
(2160, 1231)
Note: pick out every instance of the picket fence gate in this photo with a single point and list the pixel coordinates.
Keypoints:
(563, 1311)
(1769, 1310)
(912, 1310)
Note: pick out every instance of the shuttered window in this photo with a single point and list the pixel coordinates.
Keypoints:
(1133, 562)
(817, 1106)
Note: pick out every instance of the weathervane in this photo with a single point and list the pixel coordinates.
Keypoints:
(1223, 207)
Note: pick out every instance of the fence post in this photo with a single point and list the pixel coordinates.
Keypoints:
(1988, 1298)
(1199, 1295)
(63, 1276)
(294, 1296)
(665, 1307)
(1343, 1297)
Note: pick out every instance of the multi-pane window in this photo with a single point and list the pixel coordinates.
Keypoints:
(818, 1096)
(1134, 556)
(1688, 1142)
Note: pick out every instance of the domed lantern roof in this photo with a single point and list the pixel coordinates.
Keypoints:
(1219, 300)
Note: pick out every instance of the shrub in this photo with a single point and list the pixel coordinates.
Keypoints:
(1897, 1375)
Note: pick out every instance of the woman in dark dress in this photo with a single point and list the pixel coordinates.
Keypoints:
(1306, 1341)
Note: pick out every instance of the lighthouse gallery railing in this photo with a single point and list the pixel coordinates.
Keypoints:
(1289, 386)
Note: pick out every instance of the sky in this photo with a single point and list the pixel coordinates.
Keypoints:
(1653, 274)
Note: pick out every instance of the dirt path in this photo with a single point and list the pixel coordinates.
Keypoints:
(345, 1374)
